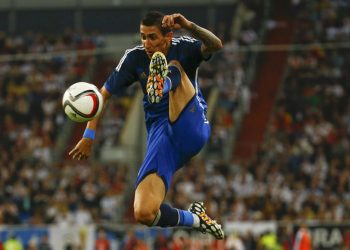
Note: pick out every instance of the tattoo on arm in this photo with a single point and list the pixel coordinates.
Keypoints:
(212, 42)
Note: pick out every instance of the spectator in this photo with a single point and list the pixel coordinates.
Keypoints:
(270, 241)
(160, 242)
(234, 242)
(134, 243)
(44, 243)
(12, 243)
(102, 242)
(302, 238)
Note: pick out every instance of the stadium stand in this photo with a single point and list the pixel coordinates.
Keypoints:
(36, 187)
(300, 171)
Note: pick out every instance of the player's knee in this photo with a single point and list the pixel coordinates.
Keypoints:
(145, 215)
(176, 64)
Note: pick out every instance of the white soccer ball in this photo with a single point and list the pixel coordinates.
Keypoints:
(82, 102)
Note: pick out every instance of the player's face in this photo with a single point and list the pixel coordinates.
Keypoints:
(153, 40)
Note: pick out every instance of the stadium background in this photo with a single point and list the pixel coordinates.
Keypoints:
(278, 104)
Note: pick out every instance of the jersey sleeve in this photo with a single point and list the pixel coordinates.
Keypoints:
(122, 76)
(192, 47)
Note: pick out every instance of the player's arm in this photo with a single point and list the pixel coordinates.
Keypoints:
(123, 76)
(83, 148)
(210, 42)
(93, 123)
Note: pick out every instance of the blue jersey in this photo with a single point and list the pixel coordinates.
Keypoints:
(169, 145)
(134, 66)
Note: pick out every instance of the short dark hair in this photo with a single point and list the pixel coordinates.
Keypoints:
(155, 18)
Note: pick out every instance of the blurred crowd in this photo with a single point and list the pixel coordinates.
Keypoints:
(36, 186)
(301, 171)
(233, 88)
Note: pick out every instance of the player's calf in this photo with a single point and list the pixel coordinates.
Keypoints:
(144, 215)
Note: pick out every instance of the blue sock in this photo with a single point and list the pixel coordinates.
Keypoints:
(170, 217)
(186, 218)
(172, 80)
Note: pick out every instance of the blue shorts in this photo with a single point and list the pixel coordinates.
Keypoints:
(170, 145)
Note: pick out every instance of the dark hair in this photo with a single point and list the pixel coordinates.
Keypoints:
(155, 18)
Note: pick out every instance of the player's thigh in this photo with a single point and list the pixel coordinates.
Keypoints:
(150, 192)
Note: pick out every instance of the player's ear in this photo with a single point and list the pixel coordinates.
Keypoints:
(169, 36)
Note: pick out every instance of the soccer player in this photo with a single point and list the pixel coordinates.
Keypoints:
(175, 114)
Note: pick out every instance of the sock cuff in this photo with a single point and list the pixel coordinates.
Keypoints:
(156, 219)
(167, 85)
(186, 218)
(174, 75)
(179, 218)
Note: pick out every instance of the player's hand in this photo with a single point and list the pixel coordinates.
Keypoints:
(82, 150)
(175, 21)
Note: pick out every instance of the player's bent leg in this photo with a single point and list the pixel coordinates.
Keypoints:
(149, 209)
(180, 96)
(149, 195)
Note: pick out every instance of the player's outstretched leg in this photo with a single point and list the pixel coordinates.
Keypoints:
(207, 225)
(150, 210)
